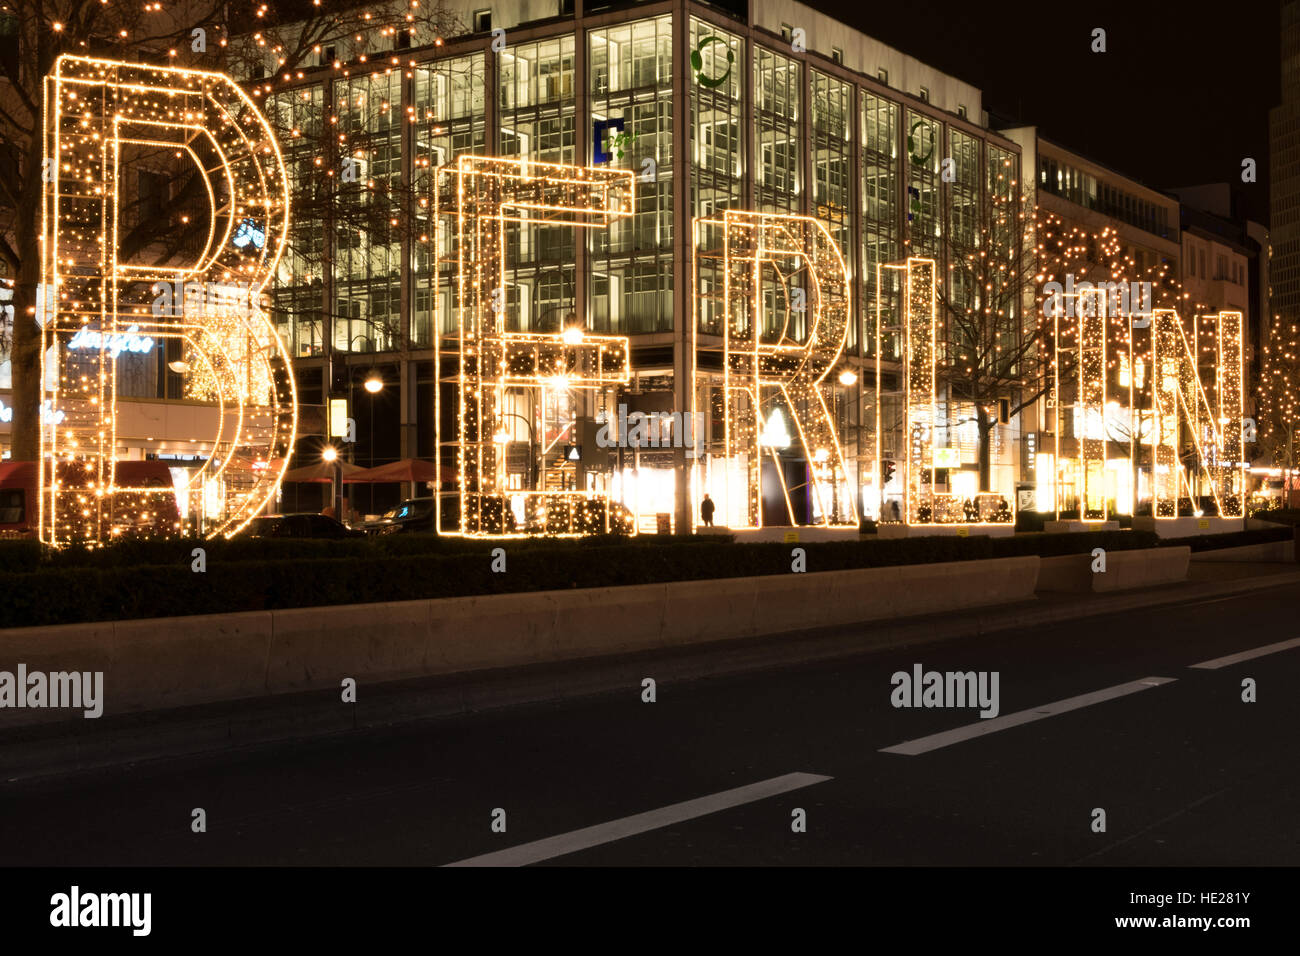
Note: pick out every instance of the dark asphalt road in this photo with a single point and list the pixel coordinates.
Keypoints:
(1187, 773)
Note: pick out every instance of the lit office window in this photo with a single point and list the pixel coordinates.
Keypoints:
(537, 112)
(776, 132)
(449, 105)
(717, 145)
(964, 190)
(924, 222)
(832, 163)
(631, 69)
(297, 299)
(879, 202)
(366, 313)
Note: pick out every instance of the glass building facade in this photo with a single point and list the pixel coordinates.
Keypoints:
(709, 111)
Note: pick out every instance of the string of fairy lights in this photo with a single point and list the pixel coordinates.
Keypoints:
(1182, 406)
(1280, 388)
(479, 196)
(100, 117)
(775, 358)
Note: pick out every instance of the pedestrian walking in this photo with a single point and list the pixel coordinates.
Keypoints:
(706, 511)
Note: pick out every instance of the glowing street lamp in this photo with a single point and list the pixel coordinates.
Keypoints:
(848, 377)
(374, 384)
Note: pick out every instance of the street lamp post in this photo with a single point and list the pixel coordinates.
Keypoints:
(374, 384)
(331, 455)
(847, 378)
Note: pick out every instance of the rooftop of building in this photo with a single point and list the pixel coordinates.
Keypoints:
(1111, 175)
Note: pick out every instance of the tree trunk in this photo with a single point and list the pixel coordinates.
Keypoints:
(985, 425)
(1136, 465)
(26, 353)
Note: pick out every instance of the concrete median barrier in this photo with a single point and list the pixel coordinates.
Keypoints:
(1124, 570)
(1269, 551)
(174, 662)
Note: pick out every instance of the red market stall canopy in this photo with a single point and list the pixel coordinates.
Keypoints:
(408, 469)
(322, 472)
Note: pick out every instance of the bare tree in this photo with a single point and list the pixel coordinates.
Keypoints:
(992, 353)
(1003, 343)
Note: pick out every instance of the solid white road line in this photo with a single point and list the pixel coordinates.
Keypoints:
(1218, 662)
(642, 822)
(992, 725)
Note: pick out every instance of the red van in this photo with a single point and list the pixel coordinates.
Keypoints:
(19, 512)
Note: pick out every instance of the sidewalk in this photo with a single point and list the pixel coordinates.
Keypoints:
(86, 744)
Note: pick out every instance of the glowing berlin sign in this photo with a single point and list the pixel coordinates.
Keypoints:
(101, 119)
(483, 197)
(774, 360)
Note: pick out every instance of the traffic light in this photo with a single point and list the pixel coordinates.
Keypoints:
(886, 471)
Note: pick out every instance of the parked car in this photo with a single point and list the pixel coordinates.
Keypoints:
(304, 525)
(412, 515)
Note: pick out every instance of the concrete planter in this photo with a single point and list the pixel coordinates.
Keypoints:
(1188, 527)
(894, 529)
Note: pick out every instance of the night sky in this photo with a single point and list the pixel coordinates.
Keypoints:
(1179, 98)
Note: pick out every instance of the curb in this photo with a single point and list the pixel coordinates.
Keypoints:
(51, 750)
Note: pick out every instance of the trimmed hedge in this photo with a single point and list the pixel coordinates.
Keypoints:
(28, 555)
(1285, 516)
(256, 575)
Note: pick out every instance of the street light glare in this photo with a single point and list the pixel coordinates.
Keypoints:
(374, 384)
(330, 453)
